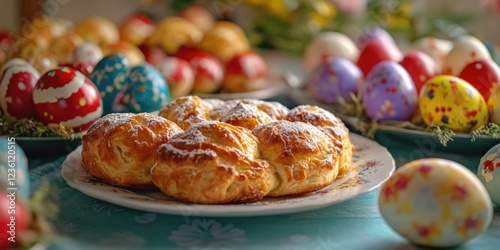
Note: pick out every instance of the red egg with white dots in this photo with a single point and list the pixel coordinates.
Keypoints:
(483, 74)
(208, 71)
(178, 74)
(66, 96)
(245, 72)
(420, 66)
(16, 89)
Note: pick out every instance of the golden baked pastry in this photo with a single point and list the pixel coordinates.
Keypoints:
(213, 162)
(332, 126)
(186, 111)
(301, 155)
(119, 148)
(97, 30)
(219, 108)
(246, 115)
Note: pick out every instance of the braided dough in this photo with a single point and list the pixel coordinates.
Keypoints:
(213, 151)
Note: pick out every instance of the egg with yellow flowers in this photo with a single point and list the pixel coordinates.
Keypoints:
(448, 101)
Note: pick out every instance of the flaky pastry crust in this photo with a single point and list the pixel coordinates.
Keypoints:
(120, 148)
(213, 162)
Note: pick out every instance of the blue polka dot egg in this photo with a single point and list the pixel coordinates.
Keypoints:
(488, 172)
(146, 90)
(13, 168)
(109, 75)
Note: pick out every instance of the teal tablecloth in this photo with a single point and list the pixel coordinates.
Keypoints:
(87, 223)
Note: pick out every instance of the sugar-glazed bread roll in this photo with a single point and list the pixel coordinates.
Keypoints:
(120, 148)
(247, 116)
(332, 126)
(213, 162)
(186, 111)
(218, 109)
(301, 155)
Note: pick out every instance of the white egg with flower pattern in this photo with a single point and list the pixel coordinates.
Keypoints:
(67, 97)
(17, 82)
(435, 203)
(488, 172)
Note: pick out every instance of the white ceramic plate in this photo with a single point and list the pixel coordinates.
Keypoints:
(372, 165)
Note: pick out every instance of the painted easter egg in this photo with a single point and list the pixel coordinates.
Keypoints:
(335, 80)
(66, 96)
(208, 71)
(494, 105)
(389, 93)
(326, 44)
(146, 90)
(109, 77)
(375, 52)
(14, 168)
(436, 48)
(246, 71)
(451, 102)
(374, 34)
(136, 28)
(488, 172)
(483, 74)
(435, 203)
(16, 89)
(420, 66)
(466, 49)
(178, 75)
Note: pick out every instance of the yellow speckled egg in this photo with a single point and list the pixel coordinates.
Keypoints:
(451, 102)
(435, 203)
(494, 105)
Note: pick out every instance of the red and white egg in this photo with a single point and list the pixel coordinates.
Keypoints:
(85, 57)
(136, 28)
(178, 75)
(66, 96)
(247, 71)
(16, 89)
(436, 48)
(483, 74)
(208, 71)
(466, 49)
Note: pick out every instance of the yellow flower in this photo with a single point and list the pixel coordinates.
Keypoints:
(324, 9)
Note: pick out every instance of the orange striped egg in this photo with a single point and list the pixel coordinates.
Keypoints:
(66, 96)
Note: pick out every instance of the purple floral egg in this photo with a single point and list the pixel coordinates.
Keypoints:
(335, 80)
(389, 93)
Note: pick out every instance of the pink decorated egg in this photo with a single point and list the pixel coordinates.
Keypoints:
(483, 74)
(245, 72)
(466, 49)
(16, 89)
(388, 93)
(65, 96)
(420, 66)
(375, 52)
(178, 74)
(208, 71)
(435, 203)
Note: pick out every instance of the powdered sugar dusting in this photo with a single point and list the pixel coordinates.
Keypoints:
(112, 121)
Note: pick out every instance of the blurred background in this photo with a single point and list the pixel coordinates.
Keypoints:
(289, 24)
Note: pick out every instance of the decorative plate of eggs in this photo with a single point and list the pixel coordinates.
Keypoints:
(448, 91)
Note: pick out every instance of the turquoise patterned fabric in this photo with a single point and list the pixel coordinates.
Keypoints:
(88, 223)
